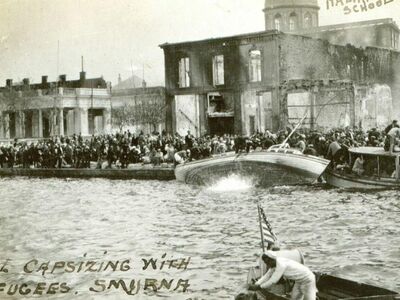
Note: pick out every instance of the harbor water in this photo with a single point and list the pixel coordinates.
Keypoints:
(354, 235)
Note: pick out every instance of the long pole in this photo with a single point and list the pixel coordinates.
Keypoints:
(58, 57)
(54, 117)
(111, 108)
(91, 113)
(133, 83)
(294, 130)
(261, 230)
(278, 82)
(133, 75)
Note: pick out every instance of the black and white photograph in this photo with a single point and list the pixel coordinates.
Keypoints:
(200, 149)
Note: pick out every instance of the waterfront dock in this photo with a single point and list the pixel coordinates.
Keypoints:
(137, 172)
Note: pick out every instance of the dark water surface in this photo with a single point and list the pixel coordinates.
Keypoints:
(354, 235)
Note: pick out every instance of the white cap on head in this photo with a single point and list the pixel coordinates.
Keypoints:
(276, 246)
(270, 254)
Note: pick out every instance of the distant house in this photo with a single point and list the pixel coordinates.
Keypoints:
(138, 109)
(132, 82)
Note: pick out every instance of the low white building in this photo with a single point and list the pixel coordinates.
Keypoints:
(59, 108)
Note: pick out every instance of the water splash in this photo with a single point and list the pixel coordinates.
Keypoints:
(232, 183)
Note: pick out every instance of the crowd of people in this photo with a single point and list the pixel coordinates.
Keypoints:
(123, 149)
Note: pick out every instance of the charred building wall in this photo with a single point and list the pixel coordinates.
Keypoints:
(377, 69)
(238, 83)
(222, 76)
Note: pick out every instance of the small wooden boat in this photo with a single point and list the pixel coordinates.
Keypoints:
(276, 166)
(329, 288)
(381, 170)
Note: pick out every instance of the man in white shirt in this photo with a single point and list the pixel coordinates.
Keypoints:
(394, 137)
(304, 287)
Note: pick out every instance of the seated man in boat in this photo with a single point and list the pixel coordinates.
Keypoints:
(278, 267)
(304, 287)
(358, 167)
(392, 140)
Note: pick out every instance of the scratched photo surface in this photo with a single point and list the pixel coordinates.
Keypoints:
(119, 239)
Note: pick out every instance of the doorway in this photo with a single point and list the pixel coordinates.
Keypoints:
(252, 124)
(46, 126)
(11, 125)
(28, 124)
(221, 126)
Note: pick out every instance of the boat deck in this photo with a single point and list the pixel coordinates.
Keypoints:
(376, 151)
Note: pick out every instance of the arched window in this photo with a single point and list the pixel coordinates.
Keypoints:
(292, 21)
(278, 22)
(307, 20)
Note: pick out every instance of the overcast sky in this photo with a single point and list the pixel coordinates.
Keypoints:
(112, 33)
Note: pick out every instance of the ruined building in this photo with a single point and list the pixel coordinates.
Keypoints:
(265, 80)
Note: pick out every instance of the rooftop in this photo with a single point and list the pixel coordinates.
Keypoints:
(351, 25)
(62, 81)
(222, 39)
(376, 151)
(269, 4)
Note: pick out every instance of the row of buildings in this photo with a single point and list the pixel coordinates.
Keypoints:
(337, 75)
(66, 107)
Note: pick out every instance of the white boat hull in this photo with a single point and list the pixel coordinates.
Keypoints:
(265, 167)
(348, 181)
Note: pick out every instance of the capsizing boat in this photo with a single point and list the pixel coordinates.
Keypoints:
(273, 167)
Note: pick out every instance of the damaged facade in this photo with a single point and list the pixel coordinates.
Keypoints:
(265, 80)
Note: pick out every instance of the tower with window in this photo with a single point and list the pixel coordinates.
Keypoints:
(291, 15)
